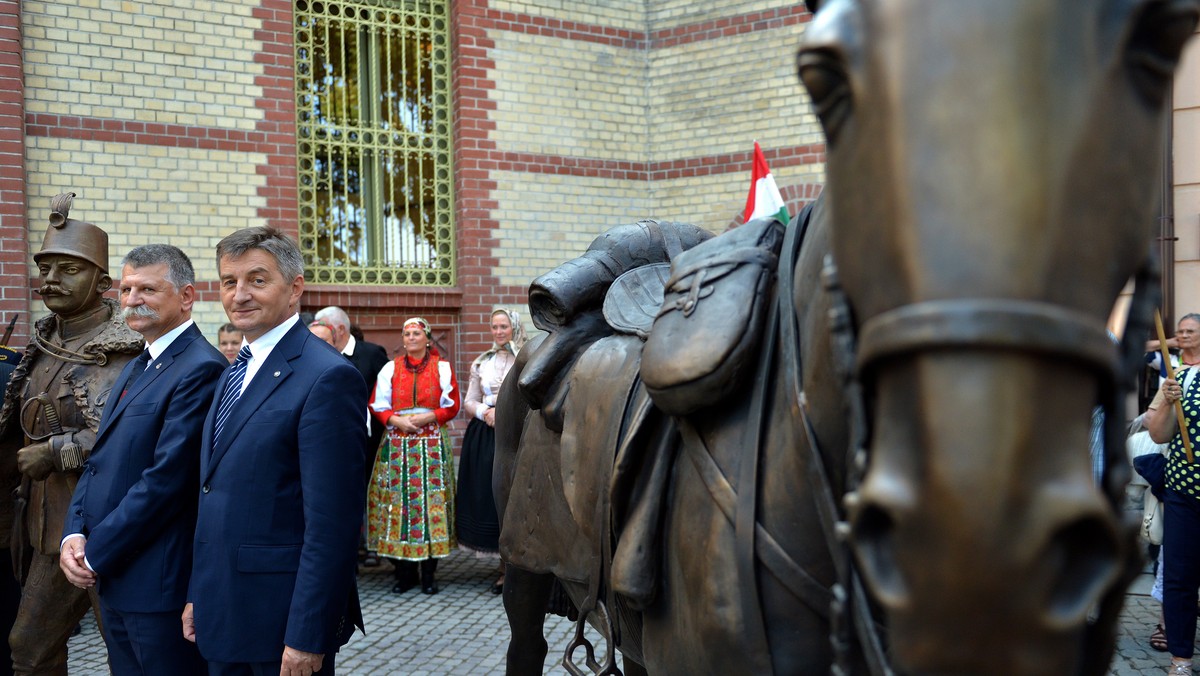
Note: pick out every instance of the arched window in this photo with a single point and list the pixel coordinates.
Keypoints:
(374, 152)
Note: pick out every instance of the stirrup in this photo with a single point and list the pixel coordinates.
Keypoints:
(609, 668)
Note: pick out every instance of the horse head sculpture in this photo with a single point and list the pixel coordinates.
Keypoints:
(995, 163)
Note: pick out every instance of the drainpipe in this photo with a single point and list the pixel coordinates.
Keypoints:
(1166, 217)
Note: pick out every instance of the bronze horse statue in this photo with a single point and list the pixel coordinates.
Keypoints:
(897, 480)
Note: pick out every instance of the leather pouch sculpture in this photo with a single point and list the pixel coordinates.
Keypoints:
(712, 317)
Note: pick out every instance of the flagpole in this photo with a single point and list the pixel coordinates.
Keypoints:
(1166, 357)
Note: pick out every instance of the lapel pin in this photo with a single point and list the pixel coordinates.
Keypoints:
(157, 366)
(277, 374)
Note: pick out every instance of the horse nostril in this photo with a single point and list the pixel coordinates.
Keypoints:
(873, 535)
(1083, 559)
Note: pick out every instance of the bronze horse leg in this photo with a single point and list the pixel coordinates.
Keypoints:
(525, 597)
(525, 592)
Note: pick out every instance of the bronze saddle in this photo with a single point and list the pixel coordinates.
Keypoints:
(609, 379)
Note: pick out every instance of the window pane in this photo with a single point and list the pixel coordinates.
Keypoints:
(374, 156)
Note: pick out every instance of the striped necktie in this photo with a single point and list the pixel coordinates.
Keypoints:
(233, 390)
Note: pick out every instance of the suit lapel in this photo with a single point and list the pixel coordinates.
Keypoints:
(156, 368)
(110, 412)
(269, 376)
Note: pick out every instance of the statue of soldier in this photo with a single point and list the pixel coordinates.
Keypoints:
(49, 419)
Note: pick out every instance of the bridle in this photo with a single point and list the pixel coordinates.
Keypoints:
(978, 324)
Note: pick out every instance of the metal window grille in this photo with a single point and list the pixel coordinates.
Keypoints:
(374, 156)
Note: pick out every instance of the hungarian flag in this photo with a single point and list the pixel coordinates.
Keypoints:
(764, 198)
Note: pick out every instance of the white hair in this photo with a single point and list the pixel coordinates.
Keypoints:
(335, 315)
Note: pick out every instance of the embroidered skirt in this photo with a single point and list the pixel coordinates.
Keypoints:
(410, 502)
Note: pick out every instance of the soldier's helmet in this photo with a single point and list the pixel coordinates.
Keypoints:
(70, 237)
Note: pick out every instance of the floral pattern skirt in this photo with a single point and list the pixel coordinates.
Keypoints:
(410, 502)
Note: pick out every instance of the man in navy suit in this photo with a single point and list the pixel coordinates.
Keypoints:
(281, 489)
(130, 524)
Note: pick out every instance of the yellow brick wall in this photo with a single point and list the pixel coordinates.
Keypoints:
(164, 61)
(582, 99)
(566, 97)
(548, 219)
(192, 63)
(176, 62)
(624, 14)
(718, 96)
(667, 14)
(146, 194)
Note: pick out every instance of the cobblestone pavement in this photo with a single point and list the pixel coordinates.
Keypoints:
(462, 630)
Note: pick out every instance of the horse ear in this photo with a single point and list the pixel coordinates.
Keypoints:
(812, 5)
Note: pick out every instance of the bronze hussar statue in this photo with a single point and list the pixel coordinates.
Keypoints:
(49, 420)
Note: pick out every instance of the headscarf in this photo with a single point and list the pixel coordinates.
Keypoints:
(514, 345)
(420, 321)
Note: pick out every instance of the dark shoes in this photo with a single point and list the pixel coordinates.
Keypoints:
(498, 586)
(428, 583)
(405, 575)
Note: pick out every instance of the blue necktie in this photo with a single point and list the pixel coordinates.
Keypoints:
(139, 367)
(233, 390)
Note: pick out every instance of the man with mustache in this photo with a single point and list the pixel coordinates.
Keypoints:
(49, 420)
(131, 521)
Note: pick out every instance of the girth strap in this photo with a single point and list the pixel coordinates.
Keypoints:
(790, 574)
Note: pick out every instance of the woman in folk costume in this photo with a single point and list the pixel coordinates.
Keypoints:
(410, 502)
(477, 525)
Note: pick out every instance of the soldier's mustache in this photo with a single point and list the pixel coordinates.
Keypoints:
(53, 290)
(139, 311)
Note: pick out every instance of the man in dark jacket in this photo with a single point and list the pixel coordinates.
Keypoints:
(130, 526)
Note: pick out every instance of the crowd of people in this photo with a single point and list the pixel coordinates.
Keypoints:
(198, 496)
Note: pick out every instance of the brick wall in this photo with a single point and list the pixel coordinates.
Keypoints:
(576, 119)
(175, 120)
(151, 113)
(14, 287)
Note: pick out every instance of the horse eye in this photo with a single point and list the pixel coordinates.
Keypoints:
(825, 78)
(1161, 27)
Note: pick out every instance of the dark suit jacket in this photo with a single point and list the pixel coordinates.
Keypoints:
(135, 501)
(368, 358)
(281, 500)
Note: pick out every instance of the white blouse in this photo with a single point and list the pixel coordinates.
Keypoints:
(486, 378)
(383, 388)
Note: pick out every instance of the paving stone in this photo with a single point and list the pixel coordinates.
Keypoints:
(462, 630)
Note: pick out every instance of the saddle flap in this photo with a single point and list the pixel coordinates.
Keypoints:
(601, 383)
(633, 300)
(558, 504)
